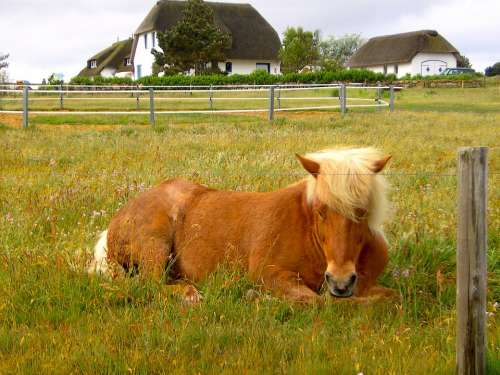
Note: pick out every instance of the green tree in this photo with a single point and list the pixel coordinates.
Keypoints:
(463, 62)
(3, 61)
(493, 70)
(3, 68)
(53, 80)
(334, 52)
(300, 48)
(193, 43)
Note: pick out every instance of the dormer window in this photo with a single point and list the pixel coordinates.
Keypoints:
(93, 64)
(127, 61)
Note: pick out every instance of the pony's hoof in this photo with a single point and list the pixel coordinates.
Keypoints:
(191, 296)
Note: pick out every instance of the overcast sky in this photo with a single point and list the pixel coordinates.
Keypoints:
(45, 36)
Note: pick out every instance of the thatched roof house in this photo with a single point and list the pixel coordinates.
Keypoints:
(423, 52)
(255, 44)
(252, 36)
(114, 60)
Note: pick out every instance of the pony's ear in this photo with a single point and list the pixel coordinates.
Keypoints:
(309, 165)
(379, 165)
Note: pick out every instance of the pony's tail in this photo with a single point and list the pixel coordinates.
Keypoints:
(99, 264)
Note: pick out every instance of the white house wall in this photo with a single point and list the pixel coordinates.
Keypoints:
(144, 59)
(449, 61)
(249, 66)
(435, 60)
(108, 72)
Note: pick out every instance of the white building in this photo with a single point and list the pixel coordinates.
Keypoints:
(422, 52)
(114, 61)
(255, 44)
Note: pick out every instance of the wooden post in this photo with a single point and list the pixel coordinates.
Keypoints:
(271, 103)
(211, 98)
(379, 94)
(279, 97)
(137, 98)
(151, 106)
(61, 98)
(25, 106)
(391, 101)
(342, 97)
(471, 261)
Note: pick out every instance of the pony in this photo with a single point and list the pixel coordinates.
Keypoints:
(323, 229)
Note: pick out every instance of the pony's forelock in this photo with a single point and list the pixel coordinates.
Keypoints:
(346, 183)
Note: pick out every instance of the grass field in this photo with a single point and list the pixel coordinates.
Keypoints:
(63, 178)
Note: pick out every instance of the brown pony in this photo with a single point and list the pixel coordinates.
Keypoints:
(325, 228)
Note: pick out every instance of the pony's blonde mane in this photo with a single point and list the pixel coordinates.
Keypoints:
(346, 183)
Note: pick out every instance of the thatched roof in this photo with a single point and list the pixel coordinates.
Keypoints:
(399, 48)
(112, 57)
(252, 36)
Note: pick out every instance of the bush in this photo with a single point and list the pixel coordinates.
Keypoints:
(492, 71)
(259, 77)
(99, 81)
(439, 77)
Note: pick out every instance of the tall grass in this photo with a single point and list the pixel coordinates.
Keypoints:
(60, 185)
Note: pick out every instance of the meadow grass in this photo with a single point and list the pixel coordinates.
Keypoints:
(62, 180)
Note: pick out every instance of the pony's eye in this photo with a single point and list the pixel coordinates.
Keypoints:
(321, 213)
(361, 213)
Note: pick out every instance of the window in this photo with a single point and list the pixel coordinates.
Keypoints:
(138, 71)
(396, 69)
(264, 66)
(93, 64)
(146, 41)
(229, 67)
(127, 61)
(385, 69)
(153, 39)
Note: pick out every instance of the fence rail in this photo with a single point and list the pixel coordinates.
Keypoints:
(148, 99)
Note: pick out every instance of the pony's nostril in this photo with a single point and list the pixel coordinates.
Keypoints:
(328, 277)
(352, 279)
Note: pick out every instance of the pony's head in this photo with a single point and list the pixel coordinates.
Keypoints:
(347, 196)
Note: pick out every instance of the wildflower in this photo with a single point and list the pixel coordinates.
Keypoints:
(9, 218)
(405, 273)
(490, 314)
(496, 306)
(52, 163)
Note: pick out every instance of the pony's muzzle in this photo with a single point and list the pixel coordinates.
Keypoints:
(341, 287)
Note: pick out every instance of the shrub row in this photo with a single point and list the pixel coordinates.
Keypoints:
(438, 77)
(255, 78)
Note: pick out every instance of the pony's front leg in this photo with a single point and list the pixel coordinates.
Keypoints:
(371, 263)
(290, 286)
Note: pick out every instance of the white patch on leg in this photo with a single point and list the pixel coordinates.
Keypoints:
(99, 264)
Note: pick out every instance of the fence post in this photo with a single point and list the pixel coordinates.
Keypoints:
(391, 101)
(151, 106)
(211, 98)
(342, 96)
(137, 97)
(279, 97)
(271, 103)
(379, 94)
(471, 260)
(25, 106)
(61, 98)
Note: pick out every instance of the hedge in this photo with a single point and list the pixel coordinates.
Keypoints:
(256, 78)
(440, 77)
